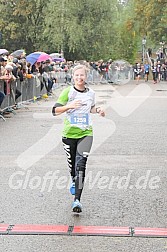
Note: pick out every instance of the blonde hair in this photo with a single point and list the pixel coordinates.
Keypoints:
(79, 66)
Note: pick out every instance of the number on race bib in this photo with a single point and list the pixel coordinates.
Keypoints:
(79, 119)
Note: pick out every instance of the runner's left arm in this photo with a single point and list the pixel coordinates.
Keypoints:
(97, 110)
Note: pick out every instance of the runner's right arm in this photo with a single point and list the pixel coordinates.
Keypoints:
(62, 104)
(59, 108)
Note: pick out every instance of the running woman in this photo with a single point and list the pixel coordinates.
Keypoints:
(78, 101)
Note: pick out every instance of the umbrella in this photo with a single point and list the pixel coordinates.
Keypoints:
(37, 57)
(55, 55)
(17, 53)
(3, 51)
(58, 59)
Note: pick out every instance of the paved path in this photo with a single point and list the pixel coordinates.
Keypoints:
(126, 172)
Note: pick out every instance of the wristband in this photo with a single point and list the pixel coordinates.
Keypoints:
(97, 110)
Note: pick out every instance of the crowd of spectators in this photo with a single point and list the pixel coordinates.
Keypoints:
(157, 67)
(13, 68)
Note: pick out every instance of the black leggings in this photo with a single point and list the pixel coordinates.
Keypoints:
(77, 151)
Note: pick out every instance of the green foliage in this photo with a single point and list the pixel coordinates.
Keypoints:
(22, 24)
(151, 19)
(86, 29)
(82, 29)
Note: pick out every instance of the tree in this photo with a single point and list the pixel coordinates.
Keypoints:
(152, 18)
(22, 24)
(82, 29)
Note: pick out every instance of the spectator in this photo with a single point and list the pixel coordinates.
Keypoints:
(146, 70)
(154, 72)
(137, 71)
(3, 63)
(2, 97)
(159, 70)
(102, 69)
(9, 78)
(18, 75)
(164, 72)
(150, 52)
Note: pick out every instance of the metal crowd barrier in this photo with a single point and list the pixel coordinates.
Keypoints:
(94, 76)
(112, 76)
(29, 88)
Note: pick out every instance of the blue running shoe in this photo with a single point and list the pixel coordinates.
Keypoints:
(77, 206)
(72, 188)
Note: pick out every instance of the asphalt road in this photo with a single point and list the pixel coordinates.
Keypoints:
(126, 172)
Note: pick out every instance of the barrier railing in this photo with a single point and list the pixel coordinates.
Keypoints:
(112, 76)
(36, 86)
(29, 89)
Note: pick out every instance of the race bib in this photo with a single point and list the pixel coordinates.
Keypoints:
(79, 119)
